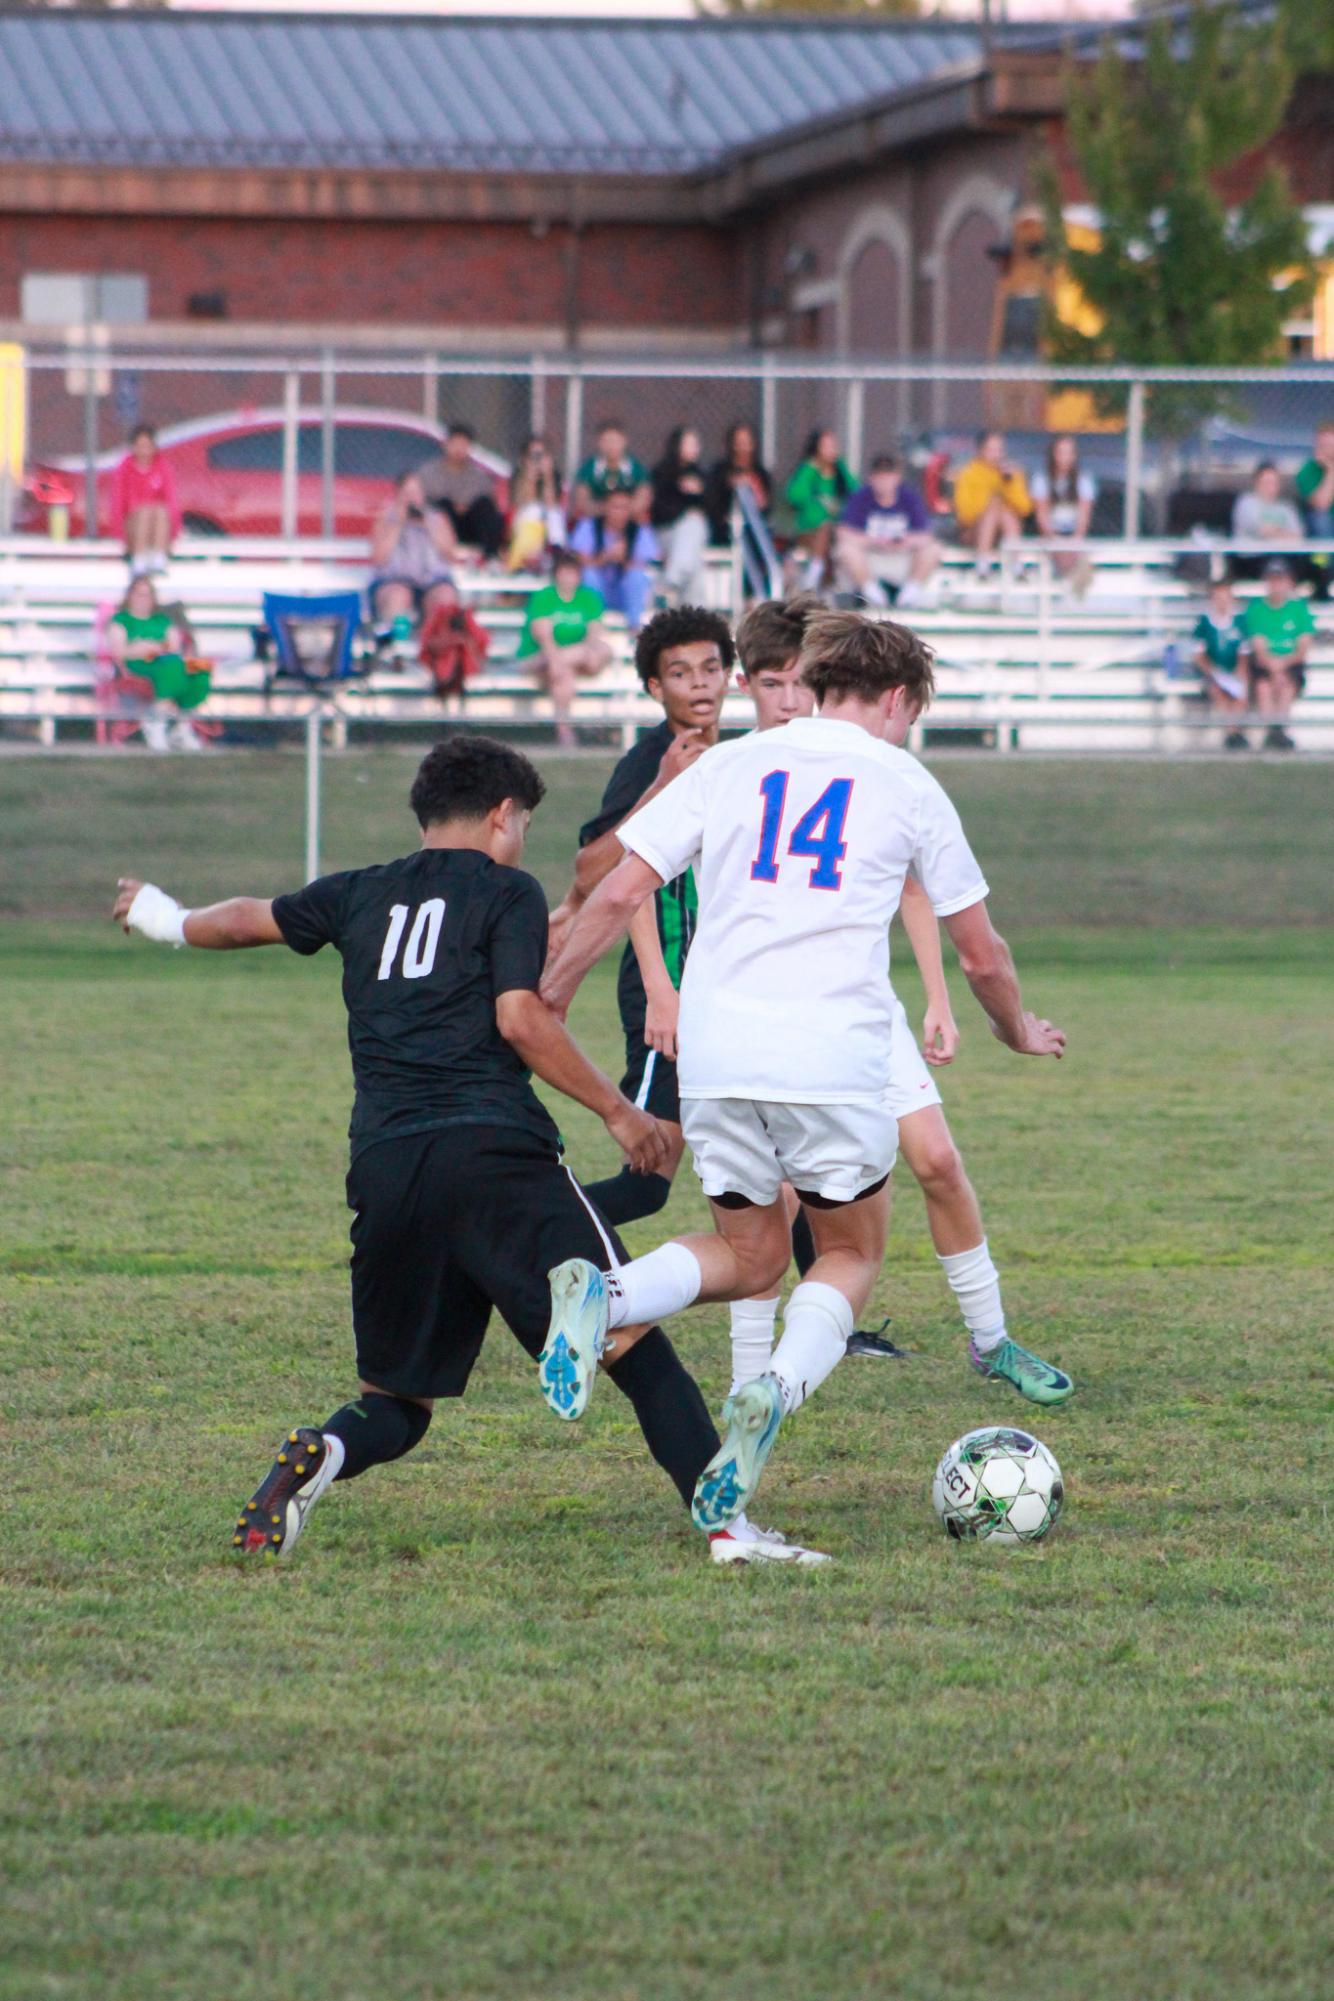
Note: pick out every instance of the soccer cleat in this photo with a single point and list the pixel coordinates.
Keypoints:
(1035, 1379)
(273, 1519)
(568, 1365)
(724, 1488)
(762, 1546)
(865, 1341)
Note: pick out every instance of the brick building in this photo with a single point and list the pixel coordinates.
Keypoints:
(520, 186)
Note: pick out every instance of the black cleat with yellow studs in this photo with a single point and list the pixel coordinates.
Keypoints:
(275, 1515)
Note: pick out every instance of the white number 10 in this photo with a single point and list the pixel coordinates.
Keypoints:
(423, 939)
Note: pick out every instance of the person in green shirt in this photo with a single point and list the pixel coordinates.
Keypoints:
(143, 641)
(1315, 486)
(1222, 652)
(612, 468)
(1281, 633)
(817, 493)
(563, 632)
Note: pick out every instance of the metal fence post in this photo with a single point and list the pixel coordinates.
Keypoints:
(768, 413)
(291, 422)
(537, 397)
(431, 388)
(314, 726)
(89, 437)
(854, 429)
(574, 422)
(327, 392)
(1134, 460)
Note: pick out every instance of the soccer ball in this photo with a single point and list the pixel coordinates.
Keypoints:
(997, 1485)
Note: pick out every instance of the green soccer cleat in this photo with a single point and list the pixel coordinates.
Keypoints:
(1031, 1376)
(724, 1488)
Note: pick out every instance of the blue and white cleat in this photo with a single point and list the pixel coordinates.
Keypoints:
(724, 1488)
(576, 1337)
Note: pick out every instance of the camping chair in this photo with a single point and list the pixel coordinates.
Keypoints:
(312, 637)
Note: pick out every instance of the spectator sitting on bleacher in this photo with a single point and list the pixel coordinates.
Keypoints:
(1281, 632)
(817, 493)
(1063, 497)
(738, 466)
(616, 549)
(145, 513)
(563, 630)
(991, 497)
(537, 515)
(1263, 515)
(465, 492)
(884, 538)
(1315, 486)
(1222, 653)
(411, 548)
(678, 515)
(143, 641)
(612, 468)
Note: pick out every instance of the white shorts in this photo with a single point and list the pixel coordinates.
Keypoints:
(743, 1147)
(911, 1085)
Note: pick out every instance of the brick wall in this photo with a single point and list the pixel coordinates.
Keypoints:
(421, 273)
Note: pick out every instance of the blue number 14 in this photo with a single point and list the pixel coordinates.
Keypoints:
(818, 834)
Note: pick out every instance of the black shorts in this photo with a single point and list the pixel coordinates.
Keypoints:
(650, 1079)
(446, 1226)
(1296, 673)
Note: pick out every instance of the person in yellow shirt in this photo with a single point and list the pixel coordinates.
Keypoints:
(991, 497)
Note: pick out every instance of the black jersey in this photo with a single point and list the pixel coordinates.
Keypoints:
(427, 944)
(676, 902)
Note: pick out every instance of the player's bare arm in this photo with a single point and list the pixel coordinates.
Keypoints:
(664, 1003)
(940, 1033)
(232, 926)
(984, 958)
(548, 1049)
(604, 918)
(595, 862)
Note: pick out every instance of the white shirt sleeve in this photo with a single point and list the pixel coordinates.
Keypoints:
(668, 833)
(943, 862)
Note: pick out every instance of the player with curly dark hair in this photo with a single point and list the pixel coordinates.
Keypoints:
(684, 658)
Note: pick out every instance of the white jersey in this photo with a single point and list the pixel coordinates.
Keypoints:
(800, 838)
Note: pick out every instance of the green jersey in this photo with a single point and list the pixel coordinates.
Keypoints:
(1279, 625)
(817, 497)
(571, 617)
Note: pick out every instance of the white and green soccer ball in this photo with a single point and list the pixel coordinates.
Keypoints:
(997, 1485)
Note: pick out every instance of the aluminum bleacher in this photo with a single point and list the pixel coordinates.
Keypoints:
(1023, 663)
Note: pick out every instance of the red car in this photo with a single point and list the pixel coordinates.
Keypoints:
(229, 472)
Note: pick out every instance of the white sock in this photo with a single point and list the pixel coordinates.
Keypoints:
(653, 1287)
(816, 1330)
(752, 1339)
(336, 1450)
(976, 1284)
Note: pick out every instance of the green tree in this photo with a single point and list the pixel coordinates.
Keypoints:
(1180, 276)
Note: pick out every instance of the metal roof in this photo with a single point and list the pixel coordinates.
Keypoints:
(475, 94)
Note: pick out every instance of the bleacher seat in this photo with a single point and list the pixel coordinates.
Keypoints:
(1021, 662)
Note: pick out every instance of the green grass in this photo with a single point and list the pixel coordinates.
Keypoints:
(498, 1730)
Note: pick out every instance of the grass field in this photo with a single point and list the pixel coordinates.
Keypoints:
(498, 1730)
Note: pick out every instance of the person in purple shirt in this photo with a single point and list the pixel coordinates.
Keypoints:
(884, 539)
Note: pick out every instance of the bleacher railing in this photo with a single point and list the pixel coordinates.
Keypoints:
(80, 396)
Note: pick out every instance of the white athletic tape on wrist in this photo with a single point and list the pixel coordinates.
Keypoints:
(156, 915)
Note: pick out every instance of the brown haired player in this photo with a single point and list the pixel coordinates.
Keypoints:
(801, 838)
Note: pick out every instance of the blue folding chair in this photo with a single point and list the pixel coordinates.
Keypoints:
(312, 636)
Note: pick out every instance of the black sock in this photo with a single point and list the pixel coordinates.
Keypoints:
(670, 1406)
(803, 1243)
(376, 1428)
(626, 1197)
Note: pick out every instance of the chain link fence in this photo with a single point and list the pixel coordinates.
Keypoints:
(306, 441)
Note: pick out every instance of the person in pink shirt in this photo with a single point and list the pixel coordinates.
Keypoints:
(144, 509)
